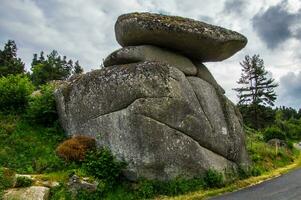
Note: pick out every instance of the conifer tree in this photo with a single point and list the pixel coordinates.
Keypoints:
(9, 63)
(257, 89)
(77, 68)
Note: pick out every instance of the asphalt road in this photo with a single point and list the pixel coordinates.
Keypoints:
(285, 187)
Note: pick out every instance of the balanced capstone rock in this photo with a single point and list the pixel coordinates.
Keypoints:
(197, 40)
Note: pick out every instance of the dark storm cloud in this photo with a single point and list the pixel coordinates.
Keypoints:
(234, 6)
(275, 25)
(290, 90)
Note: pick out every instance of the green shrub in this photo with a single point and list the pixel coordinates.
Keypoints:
(293, 129)
(272, 133)
(23, 181)
(60, 192)
(244, 173)
(103, 165)
(290, 145)
(146, 189)
(6, 178)
(42, 106)
(7, 125)
(256, 171)
(213, 178)
(15, 91)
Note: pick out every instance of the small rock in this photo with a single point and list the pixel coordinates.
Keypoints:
(75, 183)
(24, 175)
(49, 184)
(278, 142)
(29, 193)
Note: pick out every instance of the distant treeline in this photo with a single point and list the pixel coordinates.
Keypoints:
(44, 68)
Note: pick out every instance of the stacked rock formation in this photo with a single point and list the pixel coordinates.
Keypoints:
(154, 104)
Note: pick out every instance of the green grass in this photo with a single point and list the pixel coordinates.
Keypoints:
(266, 157)
(28, 148)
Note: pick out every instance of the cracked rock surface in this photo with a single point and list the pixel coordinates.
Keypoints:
(162, 123)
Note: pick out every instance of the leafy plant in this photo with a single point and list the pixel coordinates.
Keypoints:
(150, 188)
(244, 172)
(272, 133)
(42, 106)
(6, 178)
(103, 165)
(60, 192)
(15, 91)
(146, 189)
(23, 181)
(213, 178)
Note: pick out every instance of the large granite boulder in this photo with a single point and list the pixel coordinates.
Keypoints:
(197, 40)
(133, 54)
(162, 123)
(154, 104)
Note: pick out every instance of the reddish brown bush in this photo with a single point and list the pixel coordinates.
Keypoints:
(75, 148)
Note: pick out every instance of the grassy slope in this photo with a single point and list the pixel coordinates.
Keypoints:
(26, 148)
(31, 149)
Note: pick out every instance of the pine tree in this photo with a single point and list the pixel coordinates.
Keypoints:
(9, 63)
(257, 89)
(42, 58)
(77, 68)
(35, 60)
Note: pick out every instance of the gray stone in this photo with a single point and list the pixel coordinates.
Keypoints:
(277, 142)
(75, 184)
(197, 40)
(204, 74)
(162, 123)
(29, 193)
(134, 54)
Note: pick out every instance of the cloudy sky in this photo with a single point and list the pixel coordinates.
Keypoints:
(84, 30)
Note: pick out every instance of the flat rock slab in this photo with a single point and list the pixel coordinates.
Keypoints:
(29, 193)
(133, 54)
(197, 40)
